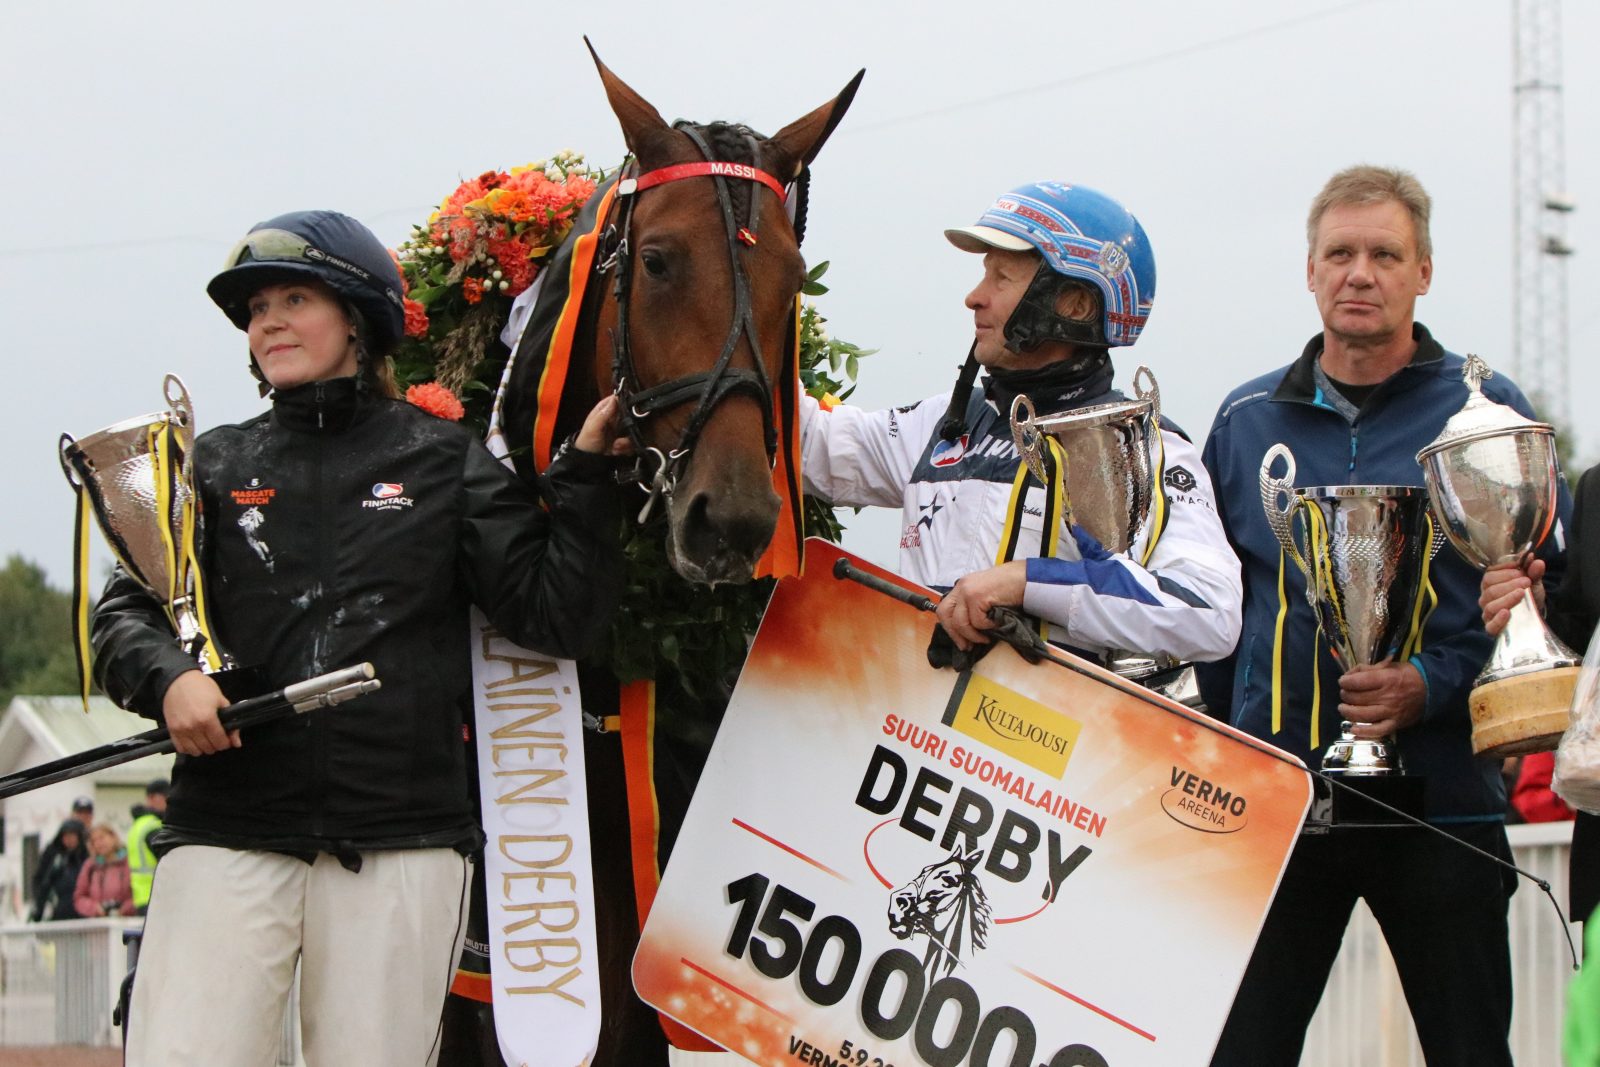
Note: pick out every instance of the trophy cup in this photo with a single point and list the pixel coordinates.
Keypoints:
(137, 478)
(1493, 478)
(1366, 547)
(1106, 462)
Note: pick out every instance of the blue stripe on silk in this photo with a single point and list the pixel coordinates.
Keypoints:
(1104, 577)
(1178, 592)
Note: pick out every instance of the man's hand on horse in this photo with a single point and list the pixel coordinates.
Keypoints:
(1503, 586)
(599, 432)
(964, 610)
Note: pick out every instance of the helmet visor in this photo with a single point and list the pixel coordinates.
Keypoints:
(282, 246)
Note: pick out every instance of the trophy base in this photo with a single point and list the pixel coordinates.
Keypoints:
(1523, 714)
(1361, 757)
(1333, 808)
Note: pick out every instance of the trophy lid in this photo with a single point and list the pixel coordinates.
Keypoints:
(1480, 417)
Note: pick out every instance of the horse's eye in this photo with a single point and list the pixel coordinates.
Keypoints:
(654, 263)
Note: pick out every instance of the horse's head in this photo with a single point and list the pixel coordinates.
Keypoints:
(694, 329)
(922, 904)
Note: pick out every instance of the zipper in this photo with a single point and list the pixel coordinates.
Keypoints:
(319, 723)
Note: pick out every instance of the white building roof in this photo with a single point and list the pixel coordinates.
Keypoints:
(60, 727)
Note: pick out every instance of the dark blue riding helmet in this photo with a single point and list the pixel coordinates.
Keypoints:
(332, 248)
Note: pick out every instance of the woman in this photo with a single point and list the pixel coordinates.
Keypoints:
(104, 886)
(343, 526)
(56, 880)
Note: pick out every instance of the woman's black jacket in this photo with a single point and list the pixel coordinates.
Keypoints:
(341, 528)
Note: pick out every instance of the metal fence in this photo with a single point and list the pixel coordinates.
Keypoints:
(60, 980)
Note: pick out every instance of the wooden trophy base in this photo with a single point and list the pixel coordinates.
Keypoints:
(1527, 713)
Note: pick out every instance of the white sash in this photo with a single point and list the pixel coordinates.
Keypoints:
(529, 731)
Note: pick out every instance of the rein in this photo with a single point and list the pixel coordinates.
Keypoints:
(709, 387)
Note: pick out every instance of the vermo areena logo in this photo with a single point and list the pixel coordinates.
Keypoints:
(1204, 805)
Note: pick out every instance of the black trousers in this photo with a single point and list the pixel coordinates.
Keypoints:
(1442, 910)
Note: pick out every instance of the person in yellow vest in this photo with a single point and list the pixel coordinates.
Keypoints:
(148, 818)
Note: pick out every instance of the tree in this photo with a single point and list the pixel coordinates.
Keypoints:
(36, 654)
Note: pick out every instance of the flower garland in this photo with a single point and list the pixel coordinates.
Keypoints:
(461, 271)
(463, 267)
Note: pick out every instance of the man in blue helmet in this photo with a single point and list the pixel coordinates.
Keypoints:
(1067, 276)
(1367, 392)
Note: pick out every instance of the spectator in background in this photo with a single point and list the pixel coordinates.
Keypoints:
(147, 819)
(83, 811)
(56, 880)
(103, 887)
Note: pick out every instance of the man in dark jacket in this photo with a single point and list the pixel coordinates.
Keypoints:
(1365, 395)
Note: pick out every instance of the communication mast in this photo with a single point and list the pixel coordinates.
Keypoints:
(1539, 179)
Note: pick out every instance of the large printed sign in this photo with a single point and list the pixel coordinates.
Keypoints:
(888, 865)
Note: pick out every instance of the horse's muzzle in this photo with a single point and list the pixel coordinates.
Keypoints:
(719, 537)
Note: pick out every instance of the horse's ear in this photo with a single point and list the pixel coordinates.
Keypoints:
(643, 128)
(798, 143)
(970, 860)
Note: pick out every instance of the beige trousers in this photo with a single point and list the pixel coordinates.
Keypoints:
(377, 951)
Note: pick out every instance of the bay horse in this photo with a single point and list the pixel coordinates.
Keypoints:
(688, 321)
(687, 317)
(946, 904)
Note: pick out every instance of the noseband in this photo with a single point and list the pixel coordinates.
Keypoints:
(656, 471)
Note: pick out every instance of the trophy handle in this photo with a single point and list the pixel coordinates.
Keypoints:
(1280, 516)
(65, 447)
(1029, 441)
(177, 397)
(1151, 393)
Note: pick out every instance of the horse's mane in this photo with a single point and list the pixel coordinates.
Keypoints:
(980, 914)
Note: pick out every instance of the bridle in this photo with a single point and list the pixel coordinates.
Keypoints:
(657, 471)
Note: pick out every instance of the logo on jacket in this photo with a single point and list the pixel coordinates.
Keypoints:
(949, 453)
(388, 496)
(253, 495)
(1180, 479)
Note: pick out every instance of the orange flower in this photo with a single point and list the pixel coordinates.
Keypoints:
(416, 319)
(405, 286)
(472, 289)
(435, 399)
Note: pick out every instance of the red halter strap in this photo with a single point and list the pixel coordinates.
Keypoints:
(714, 169)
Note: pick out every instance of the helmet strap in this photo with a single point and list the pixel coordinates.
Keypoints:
(955, 416)
(1035, 320)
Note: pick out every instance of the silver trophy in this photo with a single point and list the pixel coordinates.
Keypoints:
(1110, 482)
(1493, 479)
(1110, 476)
(1364, 551)
(138, 477)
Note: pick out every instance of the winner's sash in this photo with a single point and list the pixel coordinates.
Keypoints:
(542, 950)
(1017, 864)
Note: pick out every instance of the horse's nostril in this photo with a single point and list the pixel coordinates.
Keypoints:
(714, 529)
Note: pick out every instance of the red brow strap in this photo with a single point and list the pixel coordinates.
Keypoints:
(713, 169)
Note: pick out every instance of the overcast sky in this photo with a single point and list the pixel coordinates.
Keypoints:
(141, 140)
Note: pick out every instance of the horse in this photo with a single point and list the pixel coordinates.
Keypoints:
(691, 330)
(946, 904)
(687, 318)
